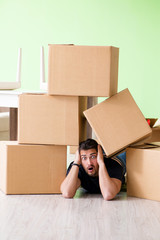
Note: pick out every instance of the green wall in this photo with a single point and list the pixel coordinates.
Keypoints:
(131, 25)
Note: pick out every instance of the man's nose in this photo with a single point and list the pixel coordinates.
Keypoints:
(89, 160)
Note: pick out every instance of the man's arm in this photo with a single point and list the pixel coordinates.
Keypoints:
(109, 186)
(71, 183)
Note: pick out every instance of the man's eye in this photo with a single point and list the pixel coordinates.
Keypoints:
(83, 158)
(93, 157)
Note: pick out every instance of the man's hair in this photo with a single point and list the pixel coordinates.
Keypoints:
(88, 144)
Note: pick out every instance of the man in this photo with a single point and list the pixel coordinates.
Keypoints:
(93, 171)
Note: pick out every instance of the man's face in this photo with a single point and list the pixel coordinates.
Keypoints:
(89, 161)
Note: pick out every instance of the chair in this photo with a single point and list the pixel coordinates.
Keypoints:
(4, 124)
(17, 84)
(43, 83)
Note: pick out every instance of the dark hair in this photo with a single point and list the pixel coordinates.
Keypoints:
(88, 144)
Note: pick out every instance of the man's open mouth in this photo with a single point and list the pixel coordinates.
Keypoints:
(90, 168)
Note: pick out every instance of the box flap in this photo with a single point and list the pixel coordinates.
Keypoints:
(151, 121)
(157, 123)
(146, 145)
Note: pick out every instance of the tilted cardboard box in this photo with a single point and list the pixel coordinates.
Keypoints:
(143, 168)
(31, 169)
(117, 122)
(44, 119)
(82, 70)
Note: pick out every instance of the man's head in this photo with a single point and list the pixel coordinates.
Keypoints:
(88, 151)
(88, 144)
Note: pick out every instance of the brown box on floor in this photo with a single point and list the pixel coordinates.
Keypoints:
(44, 119)
(82, 70)
(31, 169)
(117, 122)
(143, 167)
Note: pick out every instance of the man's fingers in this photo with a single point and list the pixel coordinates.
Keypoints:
(99, 149)
(100, 154)
(77, 154)
(77, 157)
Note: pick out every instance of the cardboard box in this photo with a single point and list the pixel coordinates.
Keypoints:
(143, 167)
(82, 70)
(91, 101)
(117, 122)
(155, 137)
(44, 119)
(31, 169)
(73, 149)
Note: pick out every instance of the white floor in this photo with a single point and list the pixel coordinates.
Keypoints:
(49, 217)
(31, 217)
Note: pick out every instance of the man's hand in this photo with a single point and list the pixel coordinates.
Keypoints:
(100, 158)
(77, 157)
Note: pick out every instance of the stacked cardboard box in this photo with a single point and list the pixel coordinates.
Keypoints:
(30, 169)
(83, 70)
(45, 119)
(51, 122)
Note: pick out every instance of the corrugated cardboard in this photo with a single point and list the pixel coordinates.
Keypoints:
(143, 168)
(31, 169)
(47, 119)
(82, 70)
(73, 149)
(155, 137)
(91, 101)
(117, 122)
